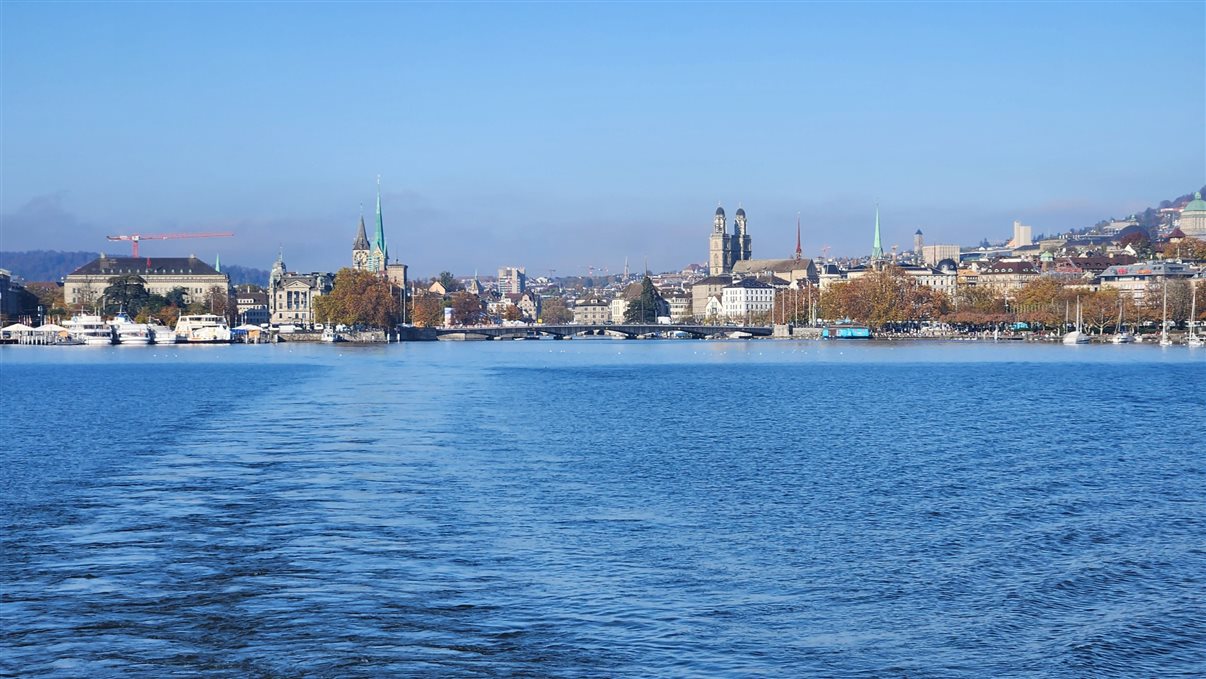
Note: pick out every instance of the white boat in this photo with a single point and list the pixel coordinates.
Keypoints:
(329, 335)
(1164, 340)
(90, 330)
(203, 328)
(1077, 336)
(160, 333)
(129, 332)
(1193, 340)
(1121, 336)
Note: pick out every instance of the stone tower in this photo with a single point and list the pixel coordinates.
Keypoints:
(720, 246)
(360, 247)
(743, 250)
(918, 241)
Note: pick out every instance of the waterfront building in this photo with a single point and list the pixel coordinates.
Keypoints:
(746, 298)
(527, 302)
(251, 305)
(592, 312)
(726, 249)
(291, 295)
(1005, 276)
(87, 284)
(707, 288)
(512, 279)
(680, 304)
(1134, 279)
(15, 301)
(1193, 217)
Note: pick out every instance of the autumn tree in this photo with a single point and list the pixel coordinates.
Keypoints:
(1041, 301)
(1100, 309)
(512, 313)
(554, 311)
(428, 310)
(467, 309)
(884, 297)
(1190, 249)
(360, 298)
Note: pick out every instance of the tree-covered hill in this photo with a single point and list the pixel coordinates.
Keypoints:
(52, 265)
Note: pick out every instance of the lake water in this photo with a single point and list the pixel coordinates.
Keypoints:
(604, 508)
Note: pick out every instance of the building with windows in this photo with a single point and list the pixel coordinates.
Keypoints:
(512, 279)
(932, 254)
(1136, 279)
(162, 275)
(592, 312)
(251, 305)
(291, 295)
(747, 298)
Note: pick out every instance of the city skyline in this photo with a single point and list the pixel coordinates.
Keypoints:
(612, 131)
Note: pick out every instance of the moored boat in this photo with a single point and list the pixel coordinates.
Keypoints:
(129, 332)
(203, 329)
(90, 330)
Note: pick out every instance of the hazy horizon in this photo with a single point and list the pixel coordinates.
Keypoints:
(566, 136)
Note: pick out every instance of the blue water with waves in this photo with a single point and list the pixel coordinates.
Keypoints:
(603, 508)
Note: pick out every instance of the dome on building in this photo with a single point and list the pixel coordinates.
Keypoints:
(719, 211)
(740, 212)
(947, 264)
(1195, 205)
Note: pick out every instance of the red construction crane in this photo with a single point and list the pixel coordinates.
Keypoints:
(135, 237)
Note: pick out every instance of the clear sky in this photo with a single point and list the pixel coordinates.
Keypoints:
(558, 136)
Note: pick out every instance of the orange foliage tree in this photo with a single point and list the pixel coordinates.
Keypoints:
(359, 298)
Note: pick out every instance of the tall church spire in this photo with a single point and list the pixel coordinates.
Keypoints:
(877, 248)
(799, 250)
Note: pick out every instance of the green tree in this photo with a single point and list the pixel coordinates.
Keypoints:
(127, 292)
(643, 309)
(449, 282)
(177, 297)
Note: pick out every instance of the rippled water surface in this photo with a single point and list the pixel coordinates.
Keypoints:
(603, 508)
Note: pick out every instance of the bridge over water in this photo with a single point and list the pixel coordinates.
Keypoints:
(628, 330)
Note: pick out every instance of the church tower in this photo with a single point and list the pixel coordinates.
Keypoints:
(877, 248)
(379, 253)
(743, 250)
(719, 246)
(360, 247)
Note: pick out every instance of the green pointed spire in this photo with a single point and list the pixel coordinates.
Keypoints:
(218, 263)
(877, 248)
(379, 240)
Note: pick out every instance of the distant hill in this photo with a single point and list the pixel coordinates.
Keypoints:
(52, 265)
(44, 265)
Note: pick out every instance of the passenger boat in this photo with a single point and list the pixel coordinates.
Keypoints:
(203, 329)
(90, 330)
(129, 332)
(329, 335)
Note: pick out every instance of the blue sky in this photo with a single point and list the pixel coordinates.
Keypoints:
(560, 136)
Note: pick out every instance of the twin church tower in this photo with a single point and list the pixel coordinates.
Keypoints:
(375, 256)
(726, 249)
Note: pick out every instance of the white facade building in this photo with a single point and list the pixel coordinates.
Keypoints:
(745, 298)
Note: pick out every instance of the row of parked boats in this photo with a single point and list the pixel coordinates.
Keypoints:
(121, 329)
